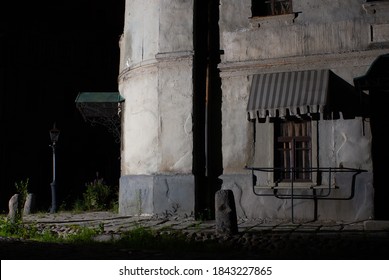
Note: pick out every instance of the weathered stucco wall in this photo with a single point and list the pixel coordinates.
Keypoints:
(175, 25)
(140, 122)
(156, 27)
(141, 33)
(157, 82)
(343, 36)
(237, 131)
(156, 78)
(334, 35)
(249, 206)
(316, 27)
(175, 117)
(345, 143)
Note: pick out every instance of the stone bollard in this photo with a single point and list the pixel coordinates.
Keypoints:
(13, 206)
(29, 205)
(225, 212)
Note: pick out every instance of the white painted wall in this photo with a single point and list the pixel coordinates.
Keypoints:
(317, 27)
(340, 35)
(156, 81)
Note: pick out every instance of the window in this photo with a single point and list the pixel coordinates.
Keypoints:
(293, 151)
(260, 8)
(285, 144)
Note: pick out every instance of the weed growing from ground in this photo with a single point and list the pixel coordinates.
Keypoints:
(17, 229)
(98, 196)
(22, 190)
(142, 238)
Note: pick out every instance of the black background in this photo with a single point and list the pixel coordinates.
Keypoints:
(49, 52)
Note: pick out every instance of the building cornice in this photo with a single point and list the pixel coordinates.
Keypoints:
(151, 65)
(141, 68)
(174, 56)
(310, 62)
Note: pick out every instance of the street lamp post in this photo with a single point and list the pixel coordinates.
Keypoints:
(54, 134)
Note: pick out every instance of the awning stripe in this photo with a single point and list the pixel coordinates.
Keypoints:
(299, 92)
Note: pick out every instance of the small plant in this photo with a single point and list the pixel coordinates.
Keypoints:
(78, 206)
(174, 211)
(96, 195)
(22, 190)
(204, 215)
(83, 235)
(17, 228)
(10, 228)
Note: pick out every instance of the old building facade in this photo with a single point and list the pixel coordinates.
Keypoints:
(295, 134)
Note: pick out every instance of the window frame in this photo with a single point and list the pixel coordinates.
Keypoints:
(264, 153)
(260, 8)
(287, 151)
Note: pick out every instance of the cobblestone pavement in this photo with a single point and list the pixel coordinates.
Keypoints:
(257, 239)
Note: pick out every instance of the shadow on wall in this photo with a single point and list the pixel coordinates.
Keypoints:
(376, 81)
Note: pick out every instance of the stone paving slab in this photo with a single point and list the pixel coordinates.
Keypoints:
(308, 228)
(353, 227)
(285, 227)
(249, 224)
(259, 229)
(187, 224)
(113, 221)
(376, 225)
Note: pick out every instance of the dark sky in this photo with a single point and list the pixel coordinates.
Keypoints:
(49, 52)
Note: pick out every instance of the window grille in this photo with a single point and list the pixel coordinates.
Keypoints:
(293, 151)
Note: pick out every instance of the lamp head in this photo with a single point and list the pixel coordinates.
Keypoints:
(54, 134)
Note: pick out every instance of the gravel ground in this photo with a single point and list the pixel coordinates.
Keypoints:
(255, 240)
(246, 246)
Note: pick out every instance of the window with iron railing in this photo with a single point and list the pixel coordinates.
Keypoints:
(260, 8)
(292, 155)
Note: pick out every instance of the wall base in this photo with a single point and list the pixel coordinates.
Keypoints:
(156, 195)
(250, 206)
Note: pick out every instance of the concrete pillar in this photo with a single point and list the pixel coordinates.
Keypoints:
(225, 212)
(29, 205)
(13, 206)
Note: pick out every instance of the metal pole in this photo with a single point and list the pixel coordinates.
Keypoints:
(53, 185)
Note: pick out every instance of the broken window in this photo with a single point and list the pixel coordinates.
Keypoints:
(260, 8)
(292, 155)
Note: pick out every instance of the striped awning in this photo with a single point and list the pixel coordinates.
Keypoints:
(299, 93)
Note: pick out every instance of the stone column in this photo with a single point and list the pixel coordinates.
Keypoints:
(156, 81)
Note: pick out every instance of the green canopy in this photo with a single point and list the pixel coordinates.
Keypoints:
(102, 108)
(99, 97)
